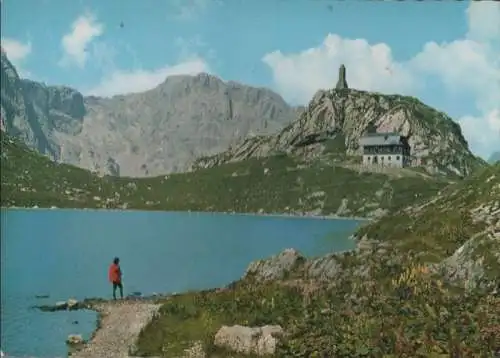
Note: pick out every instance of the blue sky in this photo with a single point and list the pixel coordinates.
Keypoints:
(445, 53)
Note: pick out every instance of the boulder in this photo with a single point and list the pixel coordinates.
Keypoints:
(249, 340)
(276, 267)
(135, 294)
(291, 264)
(74, 339)
(61, 305)
(323, 268)
(72, 303)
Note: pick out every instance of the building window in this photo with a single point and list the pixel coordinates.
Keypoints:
(389, 157)
(397, 158)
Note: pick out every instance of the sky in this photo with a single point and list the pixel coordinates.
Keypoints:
(446, 53)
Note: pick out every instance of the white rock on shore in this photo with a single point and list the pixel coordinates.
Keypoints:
(249, 340)
(74, 339)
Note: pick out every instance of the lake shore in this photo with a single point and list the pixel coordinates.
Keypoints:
(118, 327)
(276, 215)
(123, 320)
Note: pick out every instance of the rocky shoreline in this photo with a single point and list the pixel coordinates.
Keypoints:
(118, 326)
(277, 215)
(120, 322)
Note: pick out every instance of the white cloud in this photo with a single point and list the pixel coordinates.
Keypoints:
(369, 67)
(121, 82)
(469, 66)
(483, 21)
(76, 43)
(17, 52)
(483, 132)
(479, 59)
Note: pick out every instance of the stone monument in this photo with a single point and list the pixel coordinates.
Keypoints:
(342, 82)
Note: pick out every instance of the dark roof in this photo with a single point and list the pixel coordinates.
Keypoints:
(381, 134)
(389, 138)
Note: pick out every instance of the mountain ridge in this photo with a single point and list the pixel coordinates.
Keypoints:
(158, 131)
(342, 116)
(192, 122)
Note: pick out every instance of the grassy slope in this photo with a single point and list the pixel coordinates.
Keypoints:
(395, 306)
(277, 184)
(428, 229)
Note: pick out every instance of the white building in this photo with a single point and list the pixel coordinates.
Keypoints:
(386, 149)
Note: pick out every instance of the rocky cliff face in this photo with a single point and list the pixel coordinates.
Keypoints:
(342, 116)
(159, 131)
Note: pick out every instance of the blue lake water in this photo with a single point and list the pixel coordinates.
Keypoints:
(66, 253)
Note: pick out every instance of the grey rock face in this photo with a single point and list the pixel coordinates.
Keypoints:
(292, 264)
(469, 263)
(276, 267)
(155, 132)
(435, 139)
(17, 112)
(259, 341)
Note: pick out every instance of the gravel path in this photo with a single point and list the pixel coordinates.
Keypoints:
(121, 323)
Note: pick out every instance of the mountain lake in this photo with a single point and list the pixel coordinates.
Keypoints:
(52, 255)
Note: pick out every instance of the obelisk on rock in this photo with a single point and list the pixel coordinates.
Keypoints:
(342, 82)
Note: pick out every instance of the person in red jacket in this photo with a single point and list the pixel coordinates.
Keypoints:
(115, 277)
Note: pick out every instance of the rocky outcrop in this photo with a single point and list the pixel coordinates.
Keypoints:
(18, 115)
(335, 120)
(143, 134)
(69, 305)
(259, 341)
(476, 263)
(276, 267)
(291, 264)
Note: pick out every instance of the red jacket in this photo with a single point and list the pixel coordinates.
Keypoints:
(114, 273)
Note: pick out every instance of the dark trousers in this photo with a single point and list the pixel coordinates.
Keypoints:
(120, 286)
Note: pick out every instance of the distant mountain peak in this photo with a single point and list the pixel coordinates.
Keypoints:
(155, 132)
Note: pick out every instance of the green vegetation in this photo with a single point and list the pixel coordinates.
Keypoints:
(414, 315)
(277, 184)
(387, 300)
(398, 295)
(438, 228)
